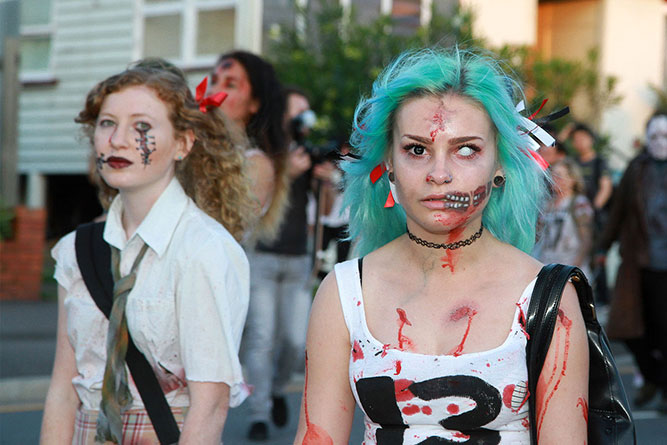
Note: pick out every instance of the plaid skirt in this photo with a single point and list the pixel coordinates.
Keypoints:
(137, 427)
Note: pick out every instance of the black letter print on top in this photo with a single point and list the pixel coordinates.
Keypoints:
(377, 396)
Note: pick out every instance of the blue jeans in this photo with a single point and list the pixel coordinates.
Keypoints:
(275, 332)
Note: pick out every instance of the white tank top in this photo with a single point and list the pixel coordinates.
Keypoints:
(410, 398)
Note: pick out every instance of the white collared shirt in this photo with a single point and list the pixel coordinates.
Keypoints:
(186, 311)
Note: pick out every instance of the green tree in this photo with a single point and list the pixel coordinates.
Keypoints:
(562, 81)
(335, 58)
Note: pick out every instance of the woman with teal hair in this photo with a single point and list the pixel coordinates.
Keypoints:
(425, 331)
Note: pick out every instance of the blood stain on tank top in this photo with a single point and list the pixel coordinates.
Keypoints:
(402, 391)
(357, 352)
(410, 410)
(398, 367)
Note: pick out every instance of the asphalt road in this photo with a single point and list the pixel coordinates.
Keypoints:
(27, 344)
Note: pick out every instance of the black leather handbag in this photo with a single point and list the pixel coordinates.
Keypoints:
(609, 417)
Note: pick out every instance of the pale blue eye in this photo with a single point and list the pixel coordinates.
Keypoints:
(466, 151)
(143, 126)
(106, 123)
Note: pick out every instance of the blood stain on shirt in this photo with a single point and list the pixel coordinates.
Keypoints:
(507, 395)
(402, 391)
(357, 352)
(410, 410)
(452, 408)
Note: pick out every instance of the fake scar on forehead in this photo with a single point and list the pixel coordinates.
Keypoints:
(146, 145)
(437, 122)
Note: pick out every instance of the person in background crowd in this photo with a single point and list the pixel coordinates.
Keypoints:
(256, 105)
(177, 197)
(594, 170)
(599, 189)
(275, 332)
(638, 220)
(565, 228)
(425, 330)
(335, 218)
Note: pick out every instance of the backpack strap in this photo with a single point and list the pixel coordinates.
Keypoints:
(93, 255)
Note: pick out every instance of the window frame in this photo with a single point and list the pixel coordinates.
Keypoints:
(188, 11)
(44, 76)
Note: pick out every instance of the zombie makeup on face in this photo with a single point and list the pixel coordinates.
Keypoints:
(461, 201)
(656, 137)
(100, 161)
(146, 145)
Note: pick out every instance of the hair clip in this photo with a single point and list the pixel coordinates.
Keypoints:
(532, 127)
(215, 100)
(390, 200)
(378, 171)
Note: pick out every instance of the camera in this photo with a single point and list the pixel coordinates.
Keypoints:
(300, 126)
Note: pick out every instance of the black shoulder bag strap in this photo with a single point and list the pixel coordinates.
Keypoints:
(93, 255)
(609, 417)
(542, 313)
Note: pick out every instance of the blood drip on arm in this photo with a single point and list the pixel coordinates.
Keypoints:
(565, 323)
(315, 434)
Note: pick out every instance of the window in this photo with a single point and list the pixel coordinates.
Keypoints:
(190, 33)
(36, 30)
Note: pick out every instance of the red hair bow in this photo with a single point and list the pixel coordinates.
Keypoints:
(215, 100)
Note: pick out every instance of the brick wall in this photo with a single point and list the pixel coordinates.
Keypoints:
(22, 257)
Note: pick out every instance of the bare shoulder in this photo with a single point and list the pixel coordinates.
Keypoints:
(326, 313)
(513, 263)
(260, 162)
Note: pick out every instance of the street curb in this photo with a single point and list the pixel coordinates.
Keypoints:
(23, 390)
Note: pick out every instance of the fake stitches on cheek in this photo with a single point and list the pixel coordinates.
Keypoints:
(315, 434)
(100, 161)
(559, 368)
(457, 315)
(146, 145)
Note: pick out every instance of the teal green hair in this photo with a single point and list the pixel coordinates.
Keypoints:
(512, 210)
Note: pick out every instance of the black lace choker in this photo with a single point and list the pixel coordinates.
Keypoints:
(451, 246)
